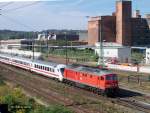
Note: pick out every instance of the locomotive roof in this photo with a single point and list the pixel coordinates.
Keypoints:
(90, 70)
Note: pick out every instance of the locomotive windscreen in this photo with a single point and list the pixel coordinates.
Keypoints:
(62, 70)
(112, 77)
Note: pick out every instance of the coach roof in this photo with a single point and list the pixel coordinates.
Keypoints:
(47, 63)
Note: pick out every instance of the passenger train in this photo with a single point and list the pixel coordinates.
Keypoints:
(98, 79)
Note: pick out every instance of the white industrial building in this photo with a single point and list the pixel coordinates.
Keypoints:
(5, 44)
(21, 53)
(147, 56)
(114, 51)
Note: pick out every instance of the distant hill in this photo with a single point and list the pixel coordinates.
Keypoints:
(9, 34)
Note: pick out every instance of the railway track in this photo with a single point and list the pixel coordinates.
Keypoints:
(51, 94)
(141, 106)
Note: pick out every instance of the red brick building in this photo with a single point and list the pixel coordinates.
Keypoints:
(123, 22)
(148, 19)
(105, 25)
(121, 27)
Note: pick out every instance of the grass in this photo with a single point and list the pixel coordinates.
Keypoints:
(14, 97)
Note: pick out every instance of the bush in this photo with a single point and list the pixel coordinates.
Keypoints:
(1, 82)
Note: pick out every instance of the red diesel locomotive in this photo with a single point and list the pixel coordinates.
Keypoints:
(101, 80)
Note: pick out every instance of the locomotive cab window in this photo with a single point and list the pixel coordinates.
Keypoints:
(62, 70)
(111, 77)
(102, 78)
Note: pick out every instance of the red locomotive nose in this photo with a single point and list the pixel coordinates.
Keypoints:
(111, 81)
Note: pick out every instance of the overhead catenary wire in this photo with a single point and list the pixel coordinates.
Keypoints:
(17, 22)
(20, 7)
(5, 5)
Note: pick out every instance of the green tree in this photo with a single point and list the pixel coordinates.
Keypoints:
(137, 58)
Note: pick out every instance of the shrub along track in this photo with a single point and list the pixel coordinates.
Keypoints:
(55, 92)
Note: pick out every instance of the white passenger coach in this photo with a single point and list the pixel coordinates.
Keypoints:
(49, 69)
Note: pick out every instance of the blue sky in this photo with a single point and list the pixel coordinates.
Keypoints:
(58, 14)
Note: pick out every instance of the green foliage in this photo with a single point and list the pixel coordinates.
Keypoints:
(73, 53)
(137, 57)
(15, 97)
(95, 57)
(1, 82)
(8, 34)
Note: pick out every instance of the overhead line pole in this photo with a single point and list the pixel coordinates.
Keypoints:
(100, 25)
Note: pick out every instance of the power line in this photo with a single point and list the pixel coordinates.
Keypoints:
(17, 22)
(7, 4)
(21, 7)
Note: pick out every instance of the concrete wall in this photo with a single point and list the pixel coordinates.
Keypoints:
(148, 56)
(123, 54)
(141, 69)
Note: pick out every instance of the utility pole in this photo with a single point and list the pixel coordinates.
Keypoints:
(33, 46)
(66, 43)
(47, 43)
(100, 34)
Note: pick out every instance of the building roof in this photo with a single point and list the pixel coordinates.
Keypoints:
(111, 45)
